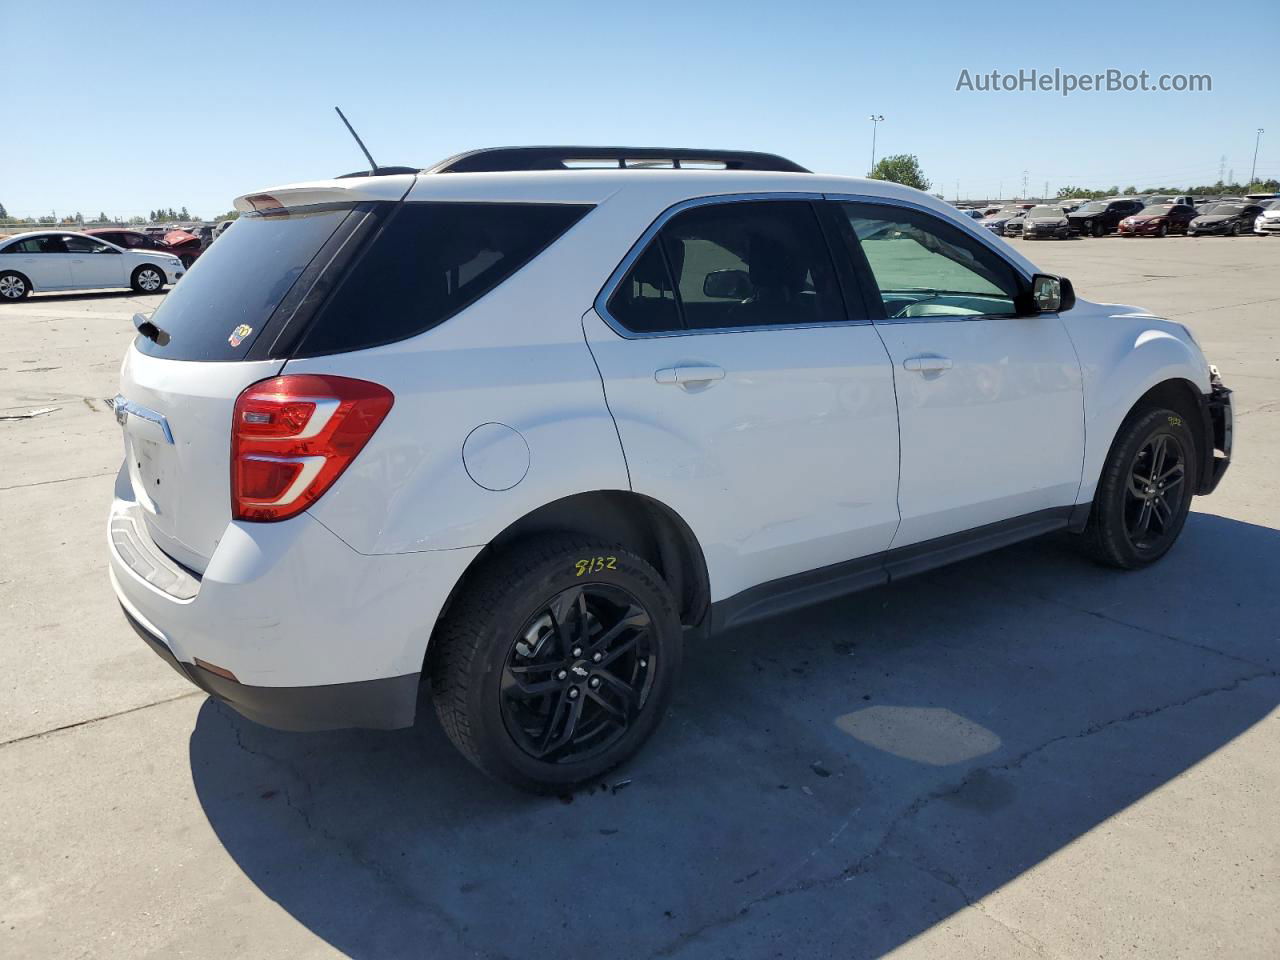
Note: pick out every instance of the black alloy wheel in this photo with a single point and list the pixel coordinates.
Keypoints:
(578, 674)
(556, 660)
(1156, 488)
(1145, 489)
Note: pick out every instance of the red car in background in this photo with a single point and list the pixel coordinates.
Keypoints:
(1157, 221)
(185, 246)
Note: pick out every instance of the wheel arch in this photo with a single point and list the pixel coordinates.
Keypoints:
(25, 279)
(1175, 393)
(644, 525)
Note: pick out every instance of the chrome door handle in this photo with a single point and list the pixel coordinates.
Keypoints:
(77, 261)
(926, 364)
(689, 374)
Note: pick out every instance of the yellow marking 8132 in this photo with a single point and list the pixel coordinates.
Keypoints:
(595, 565)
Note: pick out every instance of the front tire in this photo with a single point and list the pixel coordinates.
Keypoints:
(556, 662)
(1233, 230)
(1095, 228)
(1145, 491)
(147, 279)
(1162, 231)
(14, 287)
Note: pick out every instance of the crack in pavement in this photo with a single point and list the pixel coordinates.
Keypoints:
(105, 716)
(1022, 937)
(301, 804)
(864, 864)
(1194, 644)
(41, 483)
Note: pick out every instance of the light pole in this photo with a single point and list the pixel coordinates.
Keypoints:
(1254, 171)
(875, 119)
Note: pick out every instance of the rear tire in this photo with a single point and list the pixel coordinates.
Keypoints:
(14, 287)
(556, 662)
(147, 279)
(1145, 491)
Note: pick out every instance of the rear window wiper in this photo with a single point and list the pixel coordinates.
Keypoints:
(149, 330)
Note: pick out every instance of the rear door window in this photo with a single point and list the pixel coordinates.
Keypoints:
(430, 261)
(730, 265)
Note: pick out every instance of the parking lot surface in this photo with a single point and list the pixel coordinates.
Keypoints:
(1020, 756)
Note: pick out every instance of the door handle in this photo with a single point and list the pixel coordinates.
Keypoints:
(77, 261)
(927, 364)
(684, 375)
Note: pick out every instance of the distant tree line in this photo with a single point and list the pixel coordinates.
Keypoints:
(1219, 188)
(78, 219)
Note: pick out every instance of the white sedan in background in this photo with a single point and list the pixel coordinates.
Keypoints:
(1269, 219)
(61, 260)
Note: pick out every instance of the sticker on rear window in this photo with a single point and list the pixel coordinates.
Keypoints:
(238, 334)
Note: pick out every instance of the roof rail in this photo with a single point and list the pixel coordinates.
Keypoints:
(379, 172)
(495, 159)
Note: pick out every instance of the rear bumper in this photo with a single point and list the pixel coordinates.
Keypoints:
(310, 633)
(385, 704)
(1215, 409)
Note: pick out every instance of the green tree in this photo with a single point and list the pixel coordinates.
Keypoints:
(4, 214)
(102, 217)
(901, 168)
(229, 215)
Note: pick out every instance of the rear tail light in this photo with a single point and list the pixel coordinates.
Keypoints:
(292, 436)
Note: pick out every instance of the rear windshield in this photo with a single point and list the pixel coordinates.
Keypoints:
(218, 309)
(428, 262)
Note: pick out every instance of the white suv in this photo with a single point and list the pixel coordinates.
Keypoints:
(520, 427)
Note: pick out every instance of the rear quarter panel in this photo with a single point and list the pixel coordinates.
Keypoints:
(516, 357)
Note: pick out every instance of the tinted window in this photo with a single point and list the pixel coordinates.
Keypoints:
(924, 267)
(29, 245)
(738, 264)
(240, 282)
(645, 300)
(428, 262)
(84, 245)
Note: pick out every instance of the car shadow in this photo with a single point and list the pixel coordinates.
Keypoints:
(829, 783)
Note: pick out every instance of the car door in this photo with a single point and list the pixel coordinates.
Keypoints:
(746, 398)
(94, 264)
(43, 260)
(990, 404)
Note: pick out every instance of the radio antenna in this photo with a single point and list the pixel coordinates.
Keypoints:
(373, 167)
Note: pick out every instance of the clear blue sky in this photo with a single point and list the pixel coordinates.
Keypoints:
(196, 103)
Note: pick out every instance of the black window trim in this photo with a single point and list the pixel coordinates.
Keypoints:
(866, 279)
(642, 244)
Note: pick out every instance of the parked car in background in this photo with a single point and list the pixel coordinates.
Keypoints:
(1046, 222)
(59, 260)
(221, 228)
(995, 222)
(1013, 226)
(370, 488)
(1157, 220)
(182, 245)
(1099, 217)
(1268, 221)
(1225, 219)
(1161, 200)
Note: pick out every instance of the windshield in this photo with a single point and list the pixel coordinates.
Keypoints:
(1007, 212)
(1037, 213)
(1227, 209)
(220, 307)
(1155, 210)
(1093, 206)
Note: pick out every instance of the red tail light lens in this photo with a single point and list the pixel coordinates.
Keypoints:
(292, 436)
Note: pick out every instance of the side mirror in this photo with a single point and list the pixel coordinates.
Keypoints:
(727, 285)
(1049, 294)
